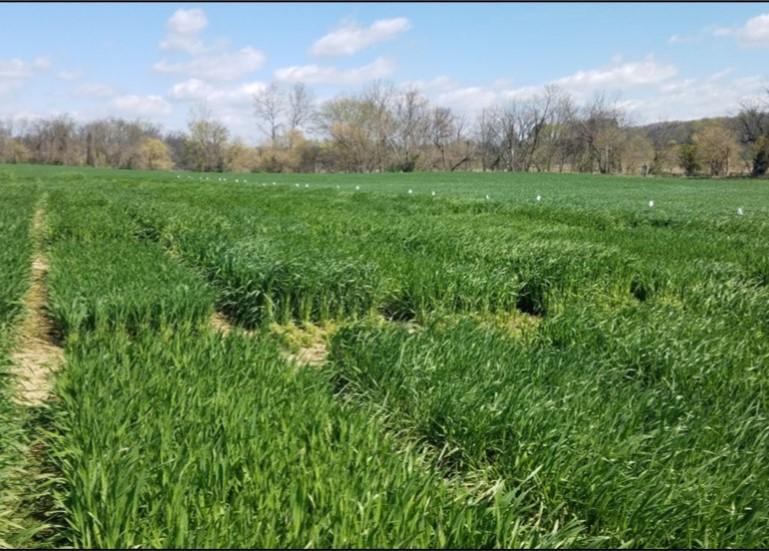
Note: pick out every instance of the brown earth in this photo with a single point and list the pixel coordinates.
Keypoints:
(220, 323)
(36, 356)
(312, 355)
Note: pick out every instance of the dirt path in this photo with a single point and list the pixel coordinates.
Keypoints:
(36, 356)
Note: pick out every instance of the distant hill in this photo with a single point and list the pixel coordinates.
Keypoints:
(681, 131)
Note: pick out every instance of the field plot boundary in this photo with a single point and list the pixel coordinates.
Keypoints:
(36, 355)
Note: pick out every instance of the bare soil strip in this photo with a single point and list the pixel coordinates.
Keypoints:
(307, 344)
(311, 347)
(313, 355)
(220, 324)
(36, 356)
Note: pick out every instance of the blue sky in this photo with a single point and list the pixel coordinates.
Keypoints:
(155, 61)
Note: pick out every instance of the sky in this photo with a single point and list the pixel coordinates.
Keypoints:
(156, 61)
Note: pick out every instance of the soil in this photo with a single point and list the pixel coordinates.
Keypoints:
(36, 356)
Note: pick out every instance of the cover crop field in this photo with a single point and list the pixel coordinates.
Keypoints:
(391, 360)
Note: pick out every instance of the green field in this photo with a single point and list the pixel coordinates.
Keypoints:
(491, 369)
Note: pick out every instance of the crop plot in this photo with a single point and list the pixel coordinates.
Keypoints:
(291, 366)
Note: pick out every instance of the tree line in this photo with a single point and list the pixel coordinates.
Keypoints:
(383, 128)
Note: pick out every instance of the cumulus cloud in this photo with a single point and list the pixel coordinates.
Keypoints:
(470, 99)
(231, 104)
(722, 31)
(617, 76)
(13, 72)
(143, 106)
(685, 39)
(352, 38)
(316, 74)
(183, 29)
(196, 90)
(714, 95)
(18, 69)
(187, 21)
(620, 75)
(95, 90)
(223, 66)
(755, 32)
(206, 61)
(69, 75)
(649, 91)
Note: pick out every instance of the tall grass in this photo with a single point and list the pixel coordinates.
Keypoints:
(102, 276)
(627, 407)
(190, 440)
(165, 434)
(649, 425)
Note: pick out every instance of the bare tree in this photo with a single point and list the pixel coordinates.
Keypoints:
(377, 100)
(488, 138)
(555, 142)
(54, 141)
(6, 140)
(300, 106)
(269, 106)
(411, 124)
(600, 136)
(442, 129)
(116, 142)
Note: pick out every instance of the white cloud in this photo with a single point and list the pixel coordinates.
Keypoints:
(232, 104)
(95, 90)
(722, 31)
(439, 83)
(18, 69)
(183, 28)
(685, 39)
(617, 76)
(755, 33)
(224, 66)
(187, 21)
(196, 90)
(620, 75)
(143, 106)
(693, 98)
(315, 74)
(447, 92)
(650, 91)
(191, 90)
(13, 72)
(468, 98)
(69, 75)
(352, 38)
